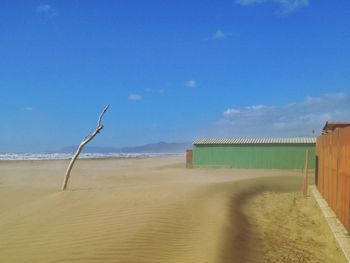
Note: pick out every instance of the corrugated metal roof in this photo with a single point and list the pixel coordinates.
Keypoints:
(298, 140)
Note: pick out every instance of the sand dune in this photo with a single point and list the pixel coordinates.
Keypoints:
(142, 210)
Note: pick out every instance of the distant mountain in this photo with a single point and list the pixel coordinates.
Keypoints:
(91, 149)
(160, 147)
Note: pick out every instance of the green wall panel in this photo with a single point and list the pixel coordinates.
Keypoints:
(254, 156)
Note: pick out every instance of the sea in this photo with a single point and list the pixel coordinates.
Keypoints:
(66, 156)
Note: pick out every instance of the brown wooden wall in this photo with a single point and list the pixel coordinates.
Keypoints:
(189, 157)
(333, 172)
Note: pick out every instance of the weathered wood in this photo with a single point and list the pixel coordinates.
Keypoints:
(189, 157)
(86, 140)
(306, 177)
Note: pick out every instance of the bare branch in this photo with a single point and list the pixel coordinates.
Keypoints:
(101, 115)
(81, 146)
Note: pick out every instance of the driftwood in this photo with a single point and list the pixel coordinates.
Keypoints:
(81, 146)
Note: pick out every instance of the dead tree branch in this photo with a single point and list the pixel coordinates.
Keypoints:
(81, 146)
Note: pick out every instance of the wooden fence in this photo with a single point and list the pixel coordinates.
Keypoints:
(333, 172)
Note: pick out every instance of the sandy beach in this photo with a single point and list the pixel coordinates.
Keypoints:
(155, 210)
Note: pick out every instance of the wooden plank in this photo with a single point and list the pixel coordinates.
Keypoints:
(306, 177)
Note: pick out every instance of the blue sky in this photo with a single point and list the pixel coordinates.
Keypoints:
(171, 70)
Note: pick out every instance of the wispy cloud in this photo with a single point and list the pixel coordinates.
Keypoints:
(219, 34)
(191, 83)
(155, 91)
(28, 108)
(135, 97)
(296, 119)
(231, 112)
(286, 6)
(46, 9)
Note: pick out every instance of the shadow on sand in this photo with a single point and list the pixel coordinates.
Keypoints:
(243, 243)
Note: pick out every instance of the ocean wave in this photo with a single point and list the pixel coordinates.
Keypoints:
(66, 156)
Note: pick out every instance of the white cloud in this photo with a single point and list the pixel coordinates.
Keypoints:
(255, 107)
(46, 9)
(286, 6)
(135, 97)
(219, 34)
(156, 91)
(231, 112)
(191, 83)
(28, 108)
(295, 119)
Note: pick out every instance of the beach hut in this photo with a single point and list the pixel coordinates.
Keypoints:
(331, 126)
(255, 153)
